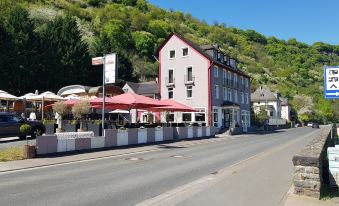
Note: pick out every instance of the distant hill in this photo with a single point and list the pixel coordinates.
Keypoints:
(55, 44)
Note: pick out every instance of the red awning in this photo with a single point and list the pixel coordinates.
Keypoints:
(173, 106)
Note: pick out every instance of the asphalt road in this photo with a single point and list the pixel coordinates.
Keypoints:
(7, 142)
(133, 179)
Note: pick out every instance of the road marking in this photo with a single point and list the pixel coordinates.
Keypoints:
(176, 195)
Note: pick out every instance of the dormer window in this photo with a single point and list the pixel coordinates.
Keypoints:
(185, 52)
(172, 54)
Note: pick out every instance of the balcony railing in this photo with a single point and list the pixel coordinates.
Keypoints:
(169, 82)
(189, 79)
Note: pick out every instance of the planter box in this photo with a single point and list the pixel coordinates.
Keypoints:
(50, 128)
(82, 143)
(142, 136)
(29, 151)
(46, 144)
(182, 132)
(199, 132)
(71, 127)
(150, 135)
(132, 136)
(189, 132)
(168, 133)
(122, 137)
(110, 137)
(159, 134)
(97, 142)
(96, 128)
(62, 145)
(70, 145)
(208, 131)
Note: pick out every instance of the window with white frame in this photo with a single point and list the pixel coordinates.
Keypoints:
(229, 94)
(247, 99)
(185, 51)
(170, 76)
(189, 74)
(189, 91)
(216, 91)
(224, 91)
(215, 117)
(170, 93)
(172, 54)
(242, 97)
(224, 77)
(246, 83)
(235, 80)
(200, 115)
(215, 72)
(186, 117)
(242, 81)
(235, 96)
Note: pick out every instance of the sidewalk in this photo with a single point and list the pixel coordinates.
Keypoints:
(298, 200)
(91, 155)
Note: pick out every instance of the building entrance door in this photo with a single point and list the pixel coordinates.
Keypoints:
(226, 120)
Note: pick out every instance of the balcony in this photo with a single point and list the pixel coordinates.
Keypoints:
(169, 81)
(189, 79)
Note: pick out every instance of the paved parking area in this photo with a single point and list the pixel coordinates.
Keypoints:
(13, 142)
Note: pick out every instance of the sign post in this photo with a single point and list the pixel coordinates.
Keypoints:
(108, 77)
(331, 82)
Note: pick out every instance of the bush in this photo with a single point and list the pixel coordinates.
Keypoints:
(48, 122)
(25, 129)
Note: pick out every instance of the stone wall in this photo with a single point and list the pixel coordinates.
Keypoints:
(311, 165)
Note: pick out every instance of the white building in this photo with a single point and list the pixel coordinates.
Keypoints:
(204, 78)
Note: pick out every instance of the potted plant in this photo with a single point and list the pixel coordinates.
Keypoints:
(80, 109)
(28, 150)
(60, 109)
(96, 127)
(71, 126)
(50, 126)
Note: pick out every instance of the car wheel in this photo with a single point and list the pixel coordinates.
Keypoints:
(37, 131)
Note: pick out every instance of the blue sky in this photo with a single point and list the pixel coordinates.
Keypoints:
(308, 21)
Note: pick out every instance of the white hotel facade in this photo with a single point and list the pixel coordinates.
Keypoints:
(206, 79)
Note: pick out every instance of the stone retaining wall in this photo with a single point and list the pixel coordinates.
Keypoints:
(48, 144)
(311, 165)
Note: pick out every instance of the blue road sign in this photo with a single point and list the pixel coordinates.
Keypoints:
(331, 82)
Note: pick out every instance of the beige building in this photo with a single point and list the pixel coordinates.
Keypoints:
(205, 78)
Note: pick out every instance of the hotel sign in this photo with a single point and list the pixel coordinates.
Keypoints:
(110, 68)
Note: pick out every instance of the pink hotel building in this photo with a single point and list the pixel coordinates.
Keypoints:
(206, 79)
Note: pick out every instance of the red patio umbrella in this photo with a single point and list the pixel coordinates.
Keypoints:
(173, 106)
(128, 101)
(108, 102)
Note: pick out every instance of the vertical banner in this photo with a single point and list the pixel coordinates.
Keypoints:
(110, 68)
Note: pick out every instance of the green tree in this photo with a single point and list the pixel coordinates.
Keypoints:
(159, 28)
(144, 42)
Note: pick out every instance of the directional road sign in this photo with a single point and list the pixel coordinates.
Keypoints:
(331, 82)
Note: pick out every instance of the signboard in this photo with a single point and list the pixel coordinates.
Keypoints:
(110, 68)
(331, 82)
(98, 61)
